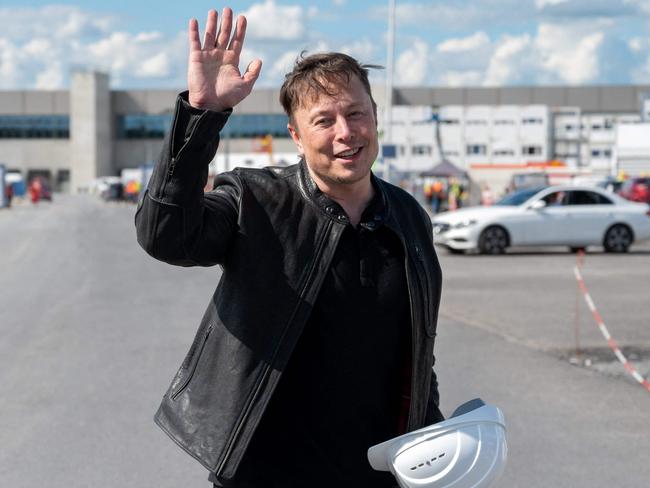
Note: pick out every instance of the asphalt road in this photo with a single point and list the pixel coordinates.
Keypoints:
(93, 330)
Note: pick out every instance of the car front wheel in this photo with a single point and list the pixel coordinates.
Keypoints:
(618, 238)
(493, 240)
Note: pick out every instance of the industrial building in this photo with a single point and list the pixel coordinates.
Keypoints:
(72, 137)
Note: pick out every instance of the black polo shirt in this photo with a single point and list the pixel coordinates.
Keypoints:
(341, 390)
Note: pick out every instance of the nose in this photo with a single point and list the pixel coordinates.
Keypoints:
(343, 129)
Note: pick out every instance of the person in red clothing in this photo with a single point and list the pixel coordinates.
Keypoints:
(35, 189)
(9, 191)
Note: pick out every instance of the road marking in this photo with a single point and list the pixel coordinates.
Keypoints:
(603, 329)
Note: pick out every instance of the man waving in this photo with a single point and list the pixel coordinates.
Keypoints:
(318, 341)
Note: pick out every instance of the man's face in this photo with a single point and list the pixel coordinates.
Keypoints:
(337, 135)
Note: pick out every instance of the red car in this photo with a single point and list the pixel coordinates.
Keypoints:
(636, 189)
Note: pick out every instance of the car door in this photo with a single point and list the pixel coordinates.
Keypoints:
(590, 214)
(545, 225)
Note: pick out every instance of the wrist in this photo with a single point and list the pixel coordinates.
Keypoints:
(206, 105)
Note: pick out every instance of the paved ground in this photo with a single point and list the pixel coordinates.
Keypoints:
(93, 330)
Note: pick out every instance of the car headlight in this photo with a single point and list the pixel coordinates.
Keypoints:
(464, 223)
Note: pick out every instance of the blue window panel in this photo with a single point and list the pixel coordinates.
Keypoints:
(34, 127)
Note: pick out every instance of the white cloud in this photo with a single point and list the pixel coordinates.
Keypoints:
(543, 3)
(461, 78)
(338, 3)
(470, 43)
(506, 64)
(412, 64)
(460, 14)
(51, 77)
(363, 50)
(9, 72)
(275, 22)
(157, 66)
(60, 21)
(569, 55)
(587, 8)
(148, 36)
(53, 40)
(636, 44)
(284, 64)
(38, 47)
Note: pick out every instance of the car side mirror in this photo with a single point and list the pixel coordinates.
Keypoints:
(537, 205)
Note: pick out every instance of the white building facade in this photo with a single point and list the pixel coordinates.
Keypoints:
(71, 137)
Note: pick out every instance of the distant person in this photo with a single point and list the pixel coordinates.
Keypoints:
(318, 341)
(9, 192)
(437, 195)
(35, 189)
(487, 196)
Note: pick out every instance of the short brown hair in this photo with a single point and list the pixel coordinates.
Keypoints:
(314, 74)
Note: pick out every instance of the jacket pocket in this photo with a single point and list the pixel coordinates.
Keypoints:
(188, 367)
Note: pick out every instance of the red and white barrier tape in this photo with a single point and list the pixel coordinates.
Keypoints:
(601, 325)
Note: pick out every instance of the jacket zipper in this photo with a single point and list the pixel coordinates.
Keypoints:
(195, 362)
(235, 435)
(409, 279)
(418, 252)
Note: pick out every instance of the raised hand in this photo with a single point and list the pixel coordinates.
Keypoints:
(213, 77)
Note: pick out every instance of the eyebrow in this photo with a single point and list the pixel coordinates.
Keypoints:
(320, 113)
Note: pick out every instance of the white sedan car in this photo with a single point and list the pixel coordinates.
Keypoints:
(571, 216)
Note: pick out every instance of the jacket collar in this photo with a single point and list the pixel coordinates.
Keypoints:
(374, 215)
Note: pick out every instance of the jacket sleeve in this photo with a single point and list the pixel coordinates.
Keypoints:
(176, 221)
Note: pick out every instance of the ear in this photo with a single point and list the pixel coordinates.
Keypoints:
(293, 131)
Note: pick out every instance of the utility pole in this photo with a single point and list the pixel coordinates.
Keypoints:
(388, 100)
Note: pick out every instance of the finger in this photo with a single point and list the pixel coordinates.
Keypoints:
(252, 72)
(210, 29)
(224, 29)
(193, 35)
(237, 42)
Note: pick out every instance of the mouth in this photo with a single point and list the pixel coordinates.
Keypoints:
(349, 154)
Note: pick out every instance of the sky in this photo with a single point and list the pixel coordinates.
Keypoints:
(437, 42)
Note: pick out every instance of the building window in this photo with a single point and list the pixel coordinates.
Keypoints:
(450, 121)
(504, 122)
(34, 127)
(476, 122)
(143, 126)
(532, 121)
(256, 125)
(476, 149)
(421, 150)
(601, 153)
(154, 126)
(503, 152)
(531, 150)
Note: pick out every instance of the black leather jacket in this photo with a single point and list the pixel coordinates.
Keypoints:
(274, 234)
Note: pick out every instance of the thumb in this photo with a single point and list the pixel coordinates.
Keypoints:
(253, 71)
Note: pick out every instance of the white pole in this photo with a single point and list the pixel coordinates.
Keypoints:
(388, 100)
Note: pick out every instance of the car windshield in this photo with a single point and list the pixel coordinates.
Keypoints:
(519, 197)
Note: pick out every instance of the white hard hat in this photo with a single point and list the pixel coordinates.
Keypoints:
(468, 450)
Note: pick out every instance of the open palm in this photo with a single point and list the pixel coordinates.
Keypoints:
(213, 77)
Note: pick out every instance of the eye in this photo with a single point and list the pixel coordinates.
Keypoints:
(323, 122)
